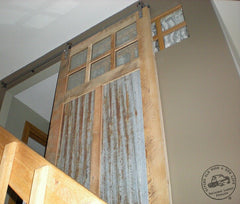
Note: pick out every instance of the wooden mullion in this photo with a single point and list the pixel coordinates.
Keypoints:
(167, 12)
(88, 65)
(101, 56)
(176, 27)
(160, 35)
(113, 54)
(96, 143)
(76, 69)
(125, 45)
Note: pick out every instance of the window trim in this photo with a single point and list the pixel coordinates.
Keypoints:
(160, 34)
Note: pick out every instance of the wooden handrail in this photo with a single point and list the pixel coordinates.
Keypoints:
(28, 171)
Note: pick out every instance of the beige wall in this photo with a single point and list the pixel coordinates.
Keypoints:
(18, 114)
(200, 94)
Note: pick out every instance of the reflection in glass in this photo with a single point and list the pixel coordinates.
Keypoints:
(172, 20)
(100, 67)
(78, 59)
(154, 29)
(175, 37)
(126, 34)
(127, 54)
(101, 47)
(76, 79)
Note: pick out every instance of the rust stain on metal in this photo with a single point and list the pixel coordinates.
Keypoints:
(123, 164)
(74, 155)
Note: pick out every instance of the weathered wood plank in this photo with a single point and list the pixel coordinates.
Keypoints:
(160, 35)
(96, 143)
(155, 143)
(113, 63)
(56, 120)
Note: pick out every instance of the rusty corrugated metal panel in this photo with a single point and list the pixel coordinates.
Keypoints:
(76, 140)
(123, 160)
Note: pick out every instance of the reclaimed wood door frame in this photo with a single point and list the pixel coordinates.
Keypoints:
(30, 131)
(158, 182)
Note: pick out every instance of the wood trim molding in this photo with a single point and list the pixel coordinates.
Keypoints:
(160, 34)
(57, 114)
(34, 133)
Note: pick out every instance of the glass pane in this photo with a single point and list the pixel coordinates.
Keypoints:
(127, 54)
(127, 34)
(172, 20)
(175, 37)
(154, 29)
(156, 47)
(78, 59)
(76, 79)
(101, 47)
(100, 67)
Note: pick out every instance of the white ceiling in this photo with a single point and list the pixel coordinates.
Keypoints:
(29, 29)
(39, 97)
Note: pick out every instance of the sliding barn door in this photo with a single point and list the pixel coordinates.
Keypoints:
(106, 129)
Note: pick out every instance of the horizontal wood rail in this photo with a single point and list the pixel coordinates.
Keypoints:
(34, 179)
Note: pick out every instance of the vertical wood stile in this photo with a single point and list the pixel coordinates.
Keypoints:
(6, 168)
(96, 143)
(39, 185)
(155, 147)
(57, 114)
(160, 35)
(113, 60)
(88, 64)
(25, 133)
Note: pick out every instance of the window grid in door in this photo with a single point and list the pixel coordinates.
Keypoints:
(117, 48)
